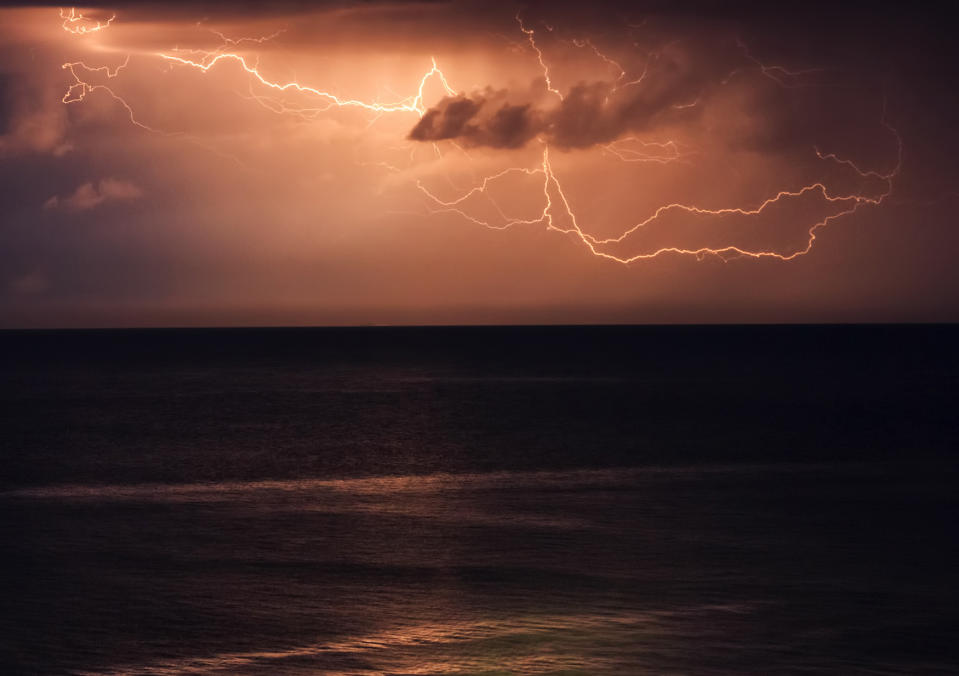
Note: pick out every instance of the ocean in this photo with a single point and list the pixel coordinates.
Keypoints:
(480, 500)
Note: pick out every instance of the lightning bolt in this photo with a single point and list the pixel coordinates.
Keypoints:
(413, 104)
(621, 82)
(206, 60)
(633, 149)
(531, 37)
(76, 23)
(557, 213)
(81, 88)
(552, 187)
(781, 75)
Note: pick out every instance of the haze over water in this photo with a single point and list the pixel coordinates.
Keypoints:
(683, 500)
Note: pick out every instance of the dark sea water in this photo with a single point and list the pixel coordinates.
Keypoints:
(591, 500)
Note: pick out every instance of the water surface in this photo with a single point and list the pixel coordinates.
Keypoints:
(469, 501)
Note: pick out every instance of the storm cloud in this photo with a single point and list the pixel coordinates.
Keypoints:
(673, 85)
(254, 205)
(481, 120)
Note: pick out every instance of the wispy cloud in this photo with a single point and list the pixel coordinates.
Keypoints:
(90, 195)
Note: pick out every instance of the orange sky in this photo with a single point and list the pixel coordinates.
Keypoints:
(161, 180)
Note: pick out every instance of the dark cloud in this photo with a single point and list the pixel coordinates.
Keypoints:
(511, 126)
(703, 79)
(675, 82)
(479, 121)
(451, 119)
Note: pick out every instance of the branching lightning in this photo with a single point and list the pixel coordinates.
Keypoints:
(412, 104)
(205, 60)
(531, 37)
(76, 23)
(556, 212)
(782, 76)
(555, 199)
(81, 88)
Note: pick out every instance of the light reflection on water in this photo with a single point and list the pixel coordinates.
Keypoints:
(611, 643)
(724, 569)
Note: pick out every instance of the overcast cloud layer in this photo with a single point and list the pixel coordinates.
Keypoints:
(215, 199)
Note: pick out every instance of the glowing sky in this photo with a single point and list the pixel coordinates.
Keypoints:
(454, 162)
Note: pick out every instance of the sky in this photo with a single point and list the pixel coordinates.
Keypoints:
(187, 164)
